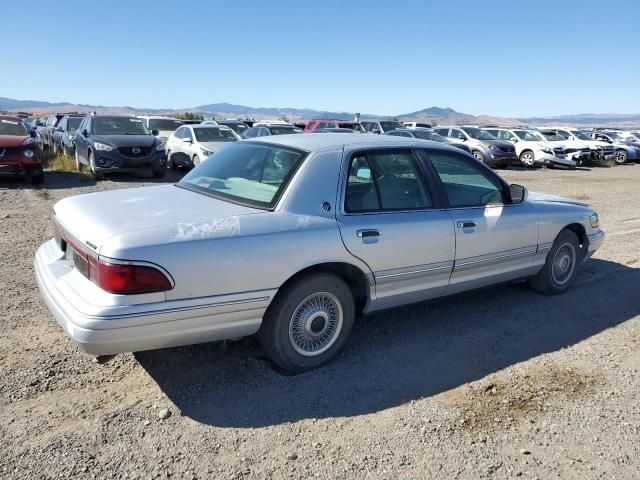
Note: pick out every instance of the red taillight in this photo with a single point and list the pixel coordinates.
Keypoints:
(126, 279)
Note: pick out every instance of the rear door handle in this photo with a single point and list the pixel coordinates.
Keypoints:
(372, 232)
(466, 224)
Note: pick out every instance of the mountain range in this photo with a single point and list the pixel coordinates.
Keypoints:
(440, 116)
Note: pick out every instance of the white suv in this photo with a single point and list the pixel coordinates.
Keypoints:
(192, 144)
(163, 126)
(531, 148)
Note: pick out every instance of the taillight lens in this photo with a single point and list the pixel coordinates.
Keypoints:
(127, 279)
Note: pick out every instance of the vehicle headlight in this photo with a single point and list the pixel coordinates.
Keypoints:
(595, 221)
(490, 146)
(160, 147)
(103, 147)
(207, 153)
(28, 153)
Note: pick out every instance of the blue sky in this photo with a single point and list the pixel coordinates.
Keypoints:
(506, 58)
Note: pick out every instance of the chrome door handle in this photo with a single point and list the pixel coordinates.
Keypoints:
(466, 224)
(372, 232)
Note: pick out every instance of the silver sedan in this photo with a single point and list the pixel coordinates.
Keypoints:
(291, 237)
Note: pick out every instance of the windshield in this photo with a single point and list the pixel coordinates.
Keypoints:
(214, 134)
(164, 124)
(553, 136)
(528, 136)
(352, 125)
(284, 130)
(614, 135)
(389, 126)
(581, 135)
(237, 127)
(433, 136)
(119, 126)
(478, 134)
(12, 127)
(248, 173)
(73, 123)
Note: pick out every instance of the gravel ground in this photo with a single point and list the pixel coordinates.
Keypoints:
(499, 383)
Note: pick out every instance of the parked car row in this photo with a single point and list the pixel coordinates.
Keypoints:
(128, 143)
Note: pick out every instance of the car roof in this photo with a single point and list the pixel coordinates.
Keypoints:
(208, 125)
(157, 117)
(312, 143)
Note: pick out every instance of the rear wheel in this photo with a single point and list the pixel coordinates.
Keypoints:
(561, 266)
(527, 158)
(308, 322)
(621, 156)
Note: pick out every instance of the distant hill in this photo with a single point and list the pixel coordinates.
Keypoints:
(437, 115)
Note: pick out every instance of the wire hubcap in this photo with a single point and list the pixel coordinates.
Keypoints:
(563, 264)
(316, 324)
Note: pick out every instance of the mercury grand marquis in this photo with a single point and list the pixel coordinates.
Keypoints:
(290, 237)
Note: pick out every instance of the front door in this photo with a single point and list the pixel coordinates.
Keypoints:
(391, 221)
(495, 240)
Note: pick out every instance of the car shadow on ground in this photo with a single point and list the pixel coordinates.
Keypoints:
(396, 356)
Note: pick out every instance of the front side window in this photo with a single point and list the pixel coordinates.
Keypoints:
(119, 126)
(245, 172)
(455, 133)
(73, 123)
(466, 184)
(385, 180)
(478, 134)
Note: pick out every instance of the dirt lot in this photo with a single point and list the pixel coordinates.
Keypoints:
(500, 383)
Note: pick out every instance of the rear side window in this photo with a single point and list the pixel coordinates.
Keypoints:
(385, 180)
(466, 184)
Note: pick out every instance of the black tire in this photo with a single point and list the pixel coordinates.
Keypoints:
(334, 313)
(621, 156)
(92, 167)
(527, 158)
(478, 155)
(159, 173)
(554, 279)
(37, 178)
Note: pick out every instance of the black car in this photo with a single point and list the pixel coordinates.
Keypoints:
(266, 130)
(118, 143)
(64, 134)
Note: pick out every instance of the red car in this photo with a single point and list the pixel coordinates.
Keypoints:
(19, 151)
(324, 123)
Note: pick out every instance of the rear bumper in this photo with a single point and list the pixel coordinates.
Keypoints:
(113, 329)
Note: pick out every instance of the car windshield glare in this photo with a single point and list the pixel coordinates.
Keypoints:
(478, 134)
(434, 137)
(249, 173)
(528, 136)
(389, 126)
(119, 126)
(213, 134)
(73, 123)
(164, 124)
(13, 128)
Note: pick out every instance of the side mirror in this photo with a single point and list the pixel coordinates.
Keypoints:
(85, 133)
(519, 193)
(155, 132)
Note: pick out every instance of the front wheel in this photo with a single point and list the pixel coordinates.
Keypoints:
(308, 322)
(527, 158)
(478, 155)
(561, 266)
(621, 156)
(92, 167)
(196, 160)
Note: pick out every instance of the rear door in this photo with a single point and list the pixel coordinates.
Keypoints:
(391, 220)
(496, 241)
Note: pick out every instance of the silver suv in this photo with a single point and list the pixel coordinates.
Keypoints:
(484, 146)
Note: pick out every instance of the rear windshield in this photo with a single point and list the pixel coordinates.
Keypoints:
(253, 174)
(355, 126)
(164, 124)
(119, 126)
(12, 127)
(425, 135)
(389, 126)
(214, 134)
